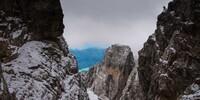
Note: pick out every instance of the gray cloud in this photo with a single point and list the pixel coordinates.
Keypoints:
(110, 21)
(113, 9)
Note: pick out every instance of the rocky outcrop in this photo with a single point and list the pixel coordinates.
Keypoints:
(43, 17)
(35, 62)
(109, 78)
(170, 59)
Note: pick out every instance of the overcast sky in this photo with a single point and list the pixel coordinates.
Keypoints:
(101, 23)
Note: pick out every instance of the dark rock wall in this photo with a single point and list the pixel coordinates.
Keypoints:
(170, 59)
(35, 63)
(43, 17)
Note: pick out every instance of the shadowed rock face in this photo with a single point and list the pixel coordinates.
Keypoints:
(43, 17)
(109, 78)
(170, 59)
(34, 60)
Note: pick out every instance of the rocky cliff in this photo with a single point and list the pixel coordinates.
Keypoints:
(109, 78)
(169, 62)
(168, 65)
(35, 61)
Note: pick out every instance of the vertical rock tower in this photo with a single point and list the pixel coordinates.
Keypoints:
(109, 78)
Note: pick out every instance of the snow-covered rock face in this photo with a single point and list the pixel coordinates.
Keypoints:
(37, 72)
(108, 79)
(75, 88)
(92, 95)
(169, 63)
(35, 63)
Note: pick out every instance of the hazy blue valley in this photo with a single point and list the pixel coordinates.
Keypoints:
(88, 57)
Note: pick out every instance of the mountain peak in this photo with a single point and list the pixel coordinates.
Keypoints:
(108, 79)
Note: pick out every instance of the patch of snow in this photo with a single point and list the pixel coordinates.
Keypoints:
(188, 22)
(195, 94)
(15, 19)
(10, 90)
(16, 34)
(172, 49)
(164, 75)
(9, 27)
(162, 29)
(26, 36)
(163, 61)
(14, 48)
(84, 69)
(92, 95)
(3, 39)
(153, 37)
(34, 71)
(178, 17)
(172, 13)
(156, 44)
(197, 79)
(194, 87)
(3, 24)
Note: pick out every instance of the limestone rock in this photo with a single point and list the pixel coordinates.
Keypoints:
(108, 79)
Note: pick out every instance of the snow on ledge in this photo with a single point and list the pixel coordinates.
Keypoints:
(92, 95)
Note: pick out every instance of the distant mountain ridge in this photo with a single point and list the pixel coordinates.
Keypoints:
(88, 57)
